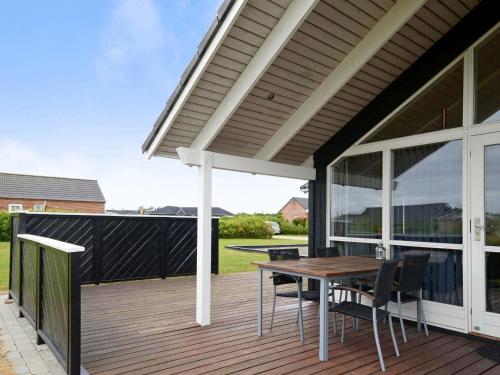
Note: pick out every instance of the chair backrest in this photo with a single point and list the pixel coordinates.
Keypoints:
(327, 252)
(384, 282)
(413, 272)
(283, 254)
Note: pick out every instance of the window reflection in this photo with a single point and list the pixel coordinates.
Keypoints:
(355, 249)
(356, 199)
(492, 282)
(443, 281)
(492, 195)
(487, 80)
(439, 107)
(427, 193)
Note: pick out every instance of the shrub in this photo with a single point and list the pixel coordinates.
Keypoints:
(4, 227)
(244, 226)
(298, 227)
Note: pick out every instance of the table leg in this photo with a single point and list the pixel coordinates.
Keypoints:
(259, 302)
(323, 320)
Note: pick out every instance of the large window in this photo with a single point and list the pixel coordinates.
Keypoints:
(427, 193)
(444, 277)
(438, 107)
(487, 80)
(356, 196)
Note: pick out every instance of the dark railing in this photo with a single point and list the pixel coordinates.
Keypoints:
(47, 290)
(119, 248)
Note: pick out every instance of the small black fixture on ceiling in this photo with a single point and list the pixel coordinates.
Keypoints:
(270, 96)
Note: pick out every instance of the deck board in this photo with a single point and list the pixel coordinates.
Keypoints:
(146, 327)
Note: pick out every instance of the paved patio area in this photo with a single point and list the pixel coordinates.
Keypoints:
(18, 352)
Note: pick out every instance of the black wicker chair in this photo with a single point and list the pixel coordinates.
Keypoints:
(327, 252)
(331, 252)
(409, 287)
(380, 298)
(282, 279)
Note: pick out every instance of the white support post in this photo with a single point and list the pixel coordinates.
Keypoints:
(204, 246)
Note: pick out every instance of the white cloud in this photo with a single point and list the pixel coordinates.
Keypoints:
(133, 38)
(129, 180)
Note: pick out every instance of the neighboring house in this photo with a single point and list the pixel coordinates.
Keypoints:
(123, 212)
(21, 192)
(188, 211)
(296, 208)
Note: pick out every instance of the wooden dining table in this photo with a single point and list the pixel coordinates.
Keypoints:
(324, 270)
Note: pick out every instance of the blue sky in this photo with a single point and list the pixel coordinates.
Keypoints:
(81, 84)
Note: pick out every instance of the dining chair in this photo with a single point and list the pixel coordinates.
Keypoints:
(331, 252)
(282, 279)
(409, 287)
(380, 298)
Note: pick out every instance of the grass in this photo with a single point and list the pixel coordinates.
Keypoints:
(4, 266)
(231, 261)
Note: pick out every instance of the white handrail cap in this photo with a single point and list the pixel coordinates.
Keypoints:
(58, 245)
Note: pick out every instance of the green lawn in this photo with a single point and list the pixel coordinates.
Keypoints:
(230, 261)
(239, 261)
(4, 266)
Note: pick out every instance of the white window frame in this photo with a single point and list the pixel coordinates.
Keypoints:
(15, 207)
(457, 315)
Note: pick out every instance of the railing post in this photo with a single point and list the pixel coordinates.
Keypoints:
(20, 278)
(215, 246)
(39, 291)
(74, 301)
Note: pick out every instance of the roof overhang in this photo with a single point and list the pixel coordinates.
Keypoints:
(273, 82)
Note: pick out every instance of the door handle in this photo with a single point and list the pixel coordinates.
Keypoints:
(477, 229)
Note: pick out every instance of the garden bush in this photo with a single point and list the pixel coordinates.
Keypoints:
(4, 227)
(297, 227)
(244, 226)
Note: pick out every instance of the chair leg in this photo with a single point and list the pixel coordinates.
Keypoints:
(301, 317)
(343, 329)
(274, 306)
(353, 299)
(334, 314)
(423, 315)
(377, 341)
(419, 315)
(394, 342)
(403, 332)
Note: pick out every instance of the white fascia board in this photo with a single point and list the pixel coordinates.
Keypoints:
(258, 65)
(376, 38)
(219, 37)
(55, 244)
(194, 157)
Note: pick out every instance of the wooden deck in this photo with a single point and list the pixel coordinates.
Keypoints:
(146, 327)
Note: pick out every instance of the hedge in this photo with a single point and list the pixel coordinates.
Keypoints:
(244, 226)
(298, 226)
(4, 227)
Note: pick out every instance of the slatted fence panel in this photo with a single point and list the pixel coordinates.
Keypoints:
(119, 248)
(130, 249)
(67, 228)
(28, 280)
